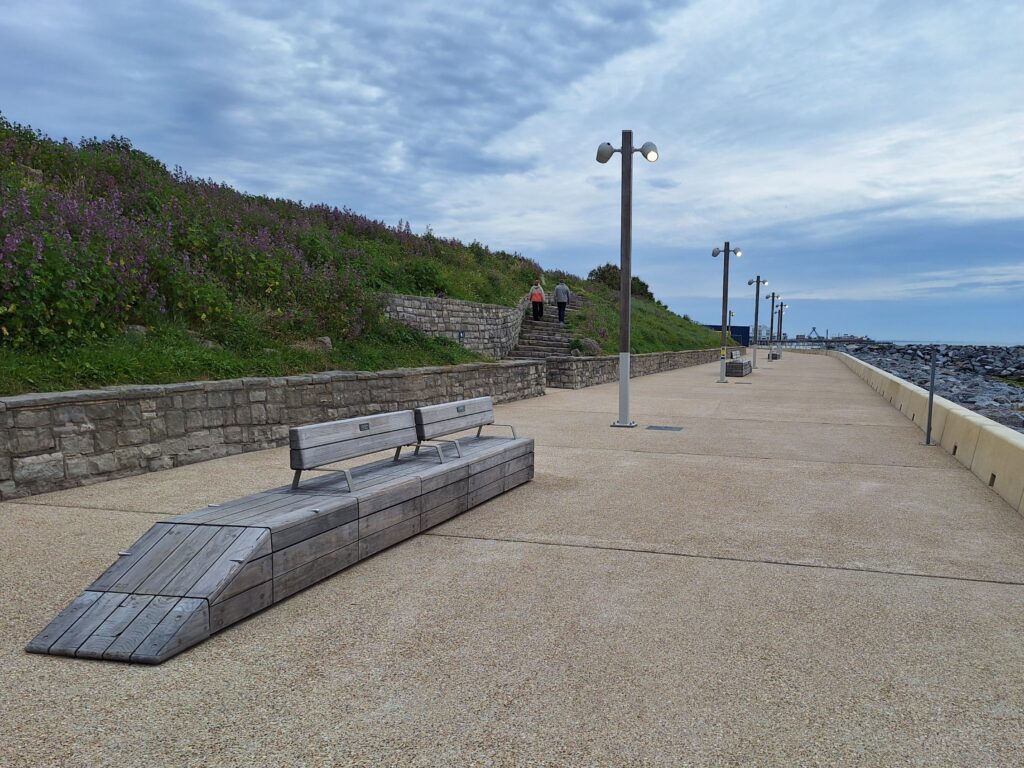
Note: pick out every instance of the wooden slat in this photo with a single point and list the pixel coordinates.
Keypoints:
(186, 624)
(197, 567)
(307, 458)
(500, 454)
(379, 497)
(486, 492)
(457, 424)
(62, 622)
(444, 512)
(518, 478)
(136, 552)
(337, 508)
(389, 516)
(256, 572)
(389, 536)
(95, 615)
(444, 494)
(178, 559)
(314, 547)
(250, 544)
(314, 435)
(150, 561)
(226, 613)
(431, 414)
(214, 511)
(312, 572)
(501, 470)
(314, 524)
(438, 476)
(105, 634)
(136, 632)
(267, 506)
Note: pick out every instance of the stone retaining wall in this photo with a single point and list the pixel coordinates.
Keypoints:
(489, 329)
(66, 439)
(579, 372)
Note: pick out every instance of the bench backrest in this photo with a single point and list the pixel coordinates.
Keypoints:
(314, 445)
(437, 420)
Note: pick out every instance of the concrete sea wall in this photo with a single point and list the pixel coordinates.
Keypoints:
(992, 451)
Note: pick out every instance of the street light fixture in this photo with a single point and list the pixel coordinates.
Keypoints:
(725, 302)
(757, 305)
(771, 326)
(781, 308)
(604, 154)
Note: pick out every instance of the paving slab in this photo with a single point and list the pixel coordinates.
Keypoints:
(917, 520)
(446, 651)
(791, 580)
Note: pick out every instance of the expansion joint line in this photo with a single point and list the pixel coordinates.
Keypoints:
(728, 559)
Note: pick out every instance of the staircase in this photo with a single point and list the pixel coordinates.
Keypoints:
(545, 337)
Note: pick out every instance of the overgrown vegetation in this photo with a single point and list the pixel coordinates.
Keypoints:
(98, 235)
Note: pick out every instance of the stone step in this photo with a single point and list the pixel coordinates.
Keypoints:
(552, 343)
(521, 355)
(543, 344)
(532, 349)
(554, 333)
(542, 351)
(543, 325)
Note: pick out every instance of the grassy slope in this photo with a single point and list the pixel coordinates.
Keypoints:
(97, 235)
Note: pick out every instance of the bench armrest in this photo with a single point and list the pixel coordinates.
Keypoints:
(481, 428)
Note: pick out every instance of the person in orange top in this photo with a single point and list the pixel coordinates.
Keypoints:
(537, 297)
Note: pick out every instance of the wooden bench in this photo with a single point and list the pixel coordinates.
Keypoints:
(198, 573)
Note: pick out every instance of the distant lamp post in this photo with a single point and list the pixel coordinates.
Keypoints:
(604, 154)
(771, 325)
(731, 316)
(782, 307)
(757, 306)
(725, 302)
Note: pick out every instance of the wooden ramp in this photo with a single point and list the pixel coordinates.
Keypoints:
(198, 573)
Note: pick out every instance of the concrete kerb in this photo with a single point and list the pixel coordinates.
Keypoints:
(992, 452)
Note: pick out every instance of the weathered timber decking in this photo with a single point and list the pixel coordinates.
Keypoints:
(196, 574)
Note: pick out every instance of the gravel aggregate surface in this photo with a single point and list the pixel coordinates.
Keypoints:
(791, 580)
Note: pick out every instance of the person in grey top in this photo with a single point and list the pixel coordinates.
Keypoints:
(561, 299)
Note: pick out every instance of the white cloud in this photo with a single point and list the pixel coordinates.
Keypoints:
(966, 282)
(767, 115)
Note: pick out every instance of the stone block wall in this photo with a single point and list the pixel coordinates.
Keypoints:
(579, 372)
(65, 439)
(488, 329)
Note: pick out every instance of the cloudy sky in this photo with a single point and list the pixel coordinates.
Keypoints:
(868, 156)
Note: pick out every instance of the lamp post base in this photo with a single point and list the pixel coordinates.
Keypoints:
(630, 424)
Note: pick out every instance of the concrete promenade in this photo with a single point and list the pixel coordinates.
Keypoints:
(792, 579)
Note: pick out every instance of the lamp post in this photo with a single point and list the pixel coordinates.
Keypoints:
(725, 302)
(604, 154)
(757, 281)
(781, 308)
(731, 316)
(771, 326)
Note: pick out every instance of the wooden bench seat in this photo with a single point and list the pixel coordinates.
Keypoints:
(195, 574)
